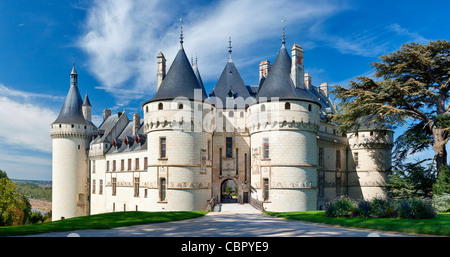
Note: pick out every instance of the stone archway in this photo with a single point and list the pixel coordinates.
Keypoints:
(229, 191)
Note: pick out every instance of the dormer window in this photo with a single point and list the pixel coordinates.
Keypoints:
(160, 106)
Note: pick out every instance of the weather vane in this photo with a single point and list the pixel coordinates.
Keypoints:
(181, 32)
(229, 48)
(284, 37)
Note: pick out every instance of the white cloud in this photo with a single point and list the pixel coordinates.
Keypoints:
(25, 124)
(413, 36)
(123, 38)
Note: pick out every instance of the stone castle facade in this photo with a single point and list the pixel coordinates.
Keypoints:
(270, 144)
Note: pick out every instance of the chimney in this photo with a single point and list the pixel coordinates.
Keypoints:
(264, 68)
(297, 71)
(308, 82)
(136, 123)
(161, 69)
(324, 88)
(106, 114)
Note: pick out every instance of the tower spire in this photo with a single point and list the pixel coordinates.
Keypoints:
(229, 49)
(283, 38)
(73, 74)
(181, 32)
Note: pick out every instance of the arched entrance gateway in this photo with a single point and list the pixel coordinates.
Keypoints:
(229, 191)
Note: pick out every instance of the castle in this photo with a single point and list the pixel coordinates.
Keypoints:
(271, 144)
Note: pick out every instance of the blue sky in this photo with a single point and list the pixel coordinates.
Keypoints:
(116, 43)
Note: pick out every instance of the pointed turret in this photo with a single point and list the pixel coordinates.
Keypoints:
(71, 110)
(87, 108)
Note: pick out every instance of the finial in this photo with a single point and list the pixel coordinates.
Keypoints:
(73, 60)
(283, 39)
(229, 49)
(181, 32)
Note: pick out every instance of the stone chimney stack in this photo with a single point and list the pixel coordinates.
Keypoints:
(297, 70)
(264, 68)
(136, 123)
(308, 81)
(324, 88)
(106, 114)
(161, 69)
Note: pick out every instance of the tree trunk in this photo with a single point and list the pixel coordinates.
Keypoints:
(440, 151)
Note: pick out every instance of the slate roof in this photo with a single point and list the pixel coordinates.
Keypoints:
(279, 83)
(180, 81)
(71, 110)
(230, 85)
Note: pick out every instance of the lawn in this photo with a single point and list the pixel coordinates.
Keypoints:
(437, 226)
(101, 221)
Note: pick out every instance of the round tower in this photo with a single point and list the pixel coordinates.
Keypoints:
(71, 134)
(283, 127)
(173, 120)
(369, 158)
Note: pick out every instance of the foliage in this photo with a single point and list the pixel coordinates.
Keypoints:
(441, 202)
(14, 208)
(341, 207)
(411, 85)
(34, 191)
(442, 184)
(381, 208)
(416, 209)
(410, 180)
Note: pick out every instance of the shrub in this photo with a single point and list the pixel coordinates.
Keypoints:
(380, 208)
(442, 202)
(416, 209)
(364, 209)
(342, 207)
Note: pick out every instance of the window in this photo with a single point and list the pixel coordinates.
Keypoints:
(237, 162)
(162, 190)
(209, 150)
(136, 187)
(266, 189)
(263, 108)
(136, 164)
(122, 164)
(356, 157)
(162, 146)
(93, 186)
(114, 185)
(93, 167)
(266, 148)
(180, 106)
(309, 107)
(321, 157)
(145, 163)
(287, 106)
(338, 159)
(231, 114)
(160, 106)
(114, 165)
(100, 187)
(242, 114)
(146, 108)
(229, 147)
(145, 193)
(81, 199)
(129, 164)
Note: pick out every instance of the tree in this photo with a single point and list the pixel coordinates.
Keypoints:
(442, 185)
(14, 207)
(410, 85)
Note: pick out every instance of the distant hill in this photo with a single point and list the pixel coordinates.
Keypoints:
(34, 189)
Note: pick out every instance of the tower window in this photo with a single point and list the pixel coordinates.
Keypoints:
(309, 107)
(229, 147)
(287, 106)
(163, 148)
(160, 106)
(114, 185)
(180, 106)
(263, 108)
(100, 190)
(162, 190)
(266, 189)
(266, 148)
(230, 114)
(136, 187)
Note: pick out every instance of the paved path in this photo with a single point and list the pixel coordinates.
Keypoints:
(232, 221)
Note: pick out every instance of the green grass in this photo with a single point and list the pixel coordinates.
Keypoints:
(101, 221)
(437, 226)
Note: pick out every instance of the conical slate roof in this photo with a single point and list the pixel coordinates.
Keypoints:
(180, 81)
(279, 83)
(230, 84)
(86, 101)
(71, 110)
